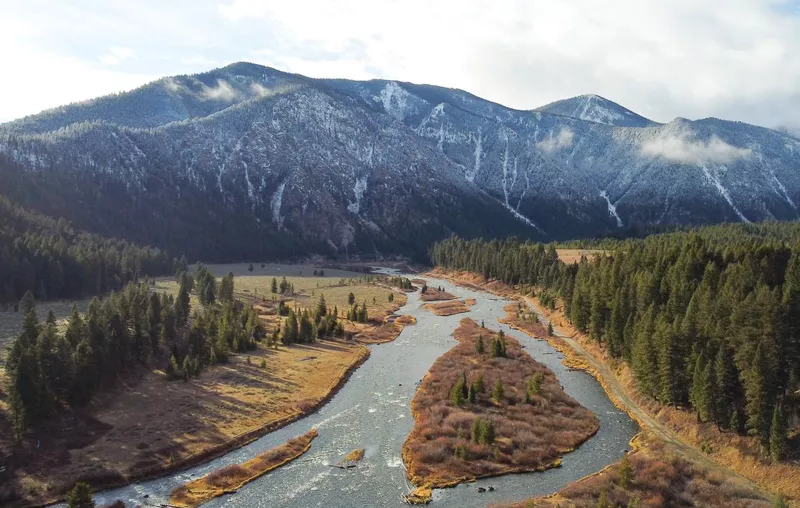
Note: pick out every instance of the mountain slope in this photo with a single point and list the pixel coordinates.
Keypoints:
(594, 108)
(338, 167)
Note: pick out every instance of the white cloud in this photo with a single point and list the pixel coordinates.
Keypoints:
(222, 92)
(116, 55)
(563, 139)
(680, 148)
(733, 59)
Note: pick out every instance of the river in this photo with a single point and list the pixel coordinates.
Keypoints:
(372, 411)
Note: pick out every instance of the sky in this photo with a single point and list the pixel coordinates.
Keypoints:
(733, 59)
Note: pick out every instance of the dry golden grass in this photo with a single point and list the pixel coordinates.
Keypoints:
(520, 317)
(447, 308)
(233, 477)
(434, 295)
(385, 332)
(149, 425)
(355, 455)
(530, 437)
(658, 479)
(570, 256)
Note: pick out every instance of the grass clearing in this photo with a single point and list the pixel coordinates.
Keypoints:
(231, 478)
(570, 256)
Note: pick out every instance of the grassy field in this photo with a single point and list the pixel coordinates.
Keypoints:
(531, 432)
(11, 322)
(336, 285)
(147, 424)
(231, 478)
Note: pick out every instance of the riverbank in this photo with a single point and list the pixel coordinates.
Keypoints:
(651, 477)
(489, 410)
(151, 426)
(726, 454)
(231, 478)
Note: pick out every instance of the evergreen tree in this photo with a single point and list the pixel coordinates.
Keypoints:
(498, 392)
(777, 436)
(625, 473)
(274, 285)
(479, 346)
(80, 496)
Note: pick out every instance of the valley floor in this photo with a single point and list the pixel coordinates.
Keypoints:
(730, 457)
(147, 425)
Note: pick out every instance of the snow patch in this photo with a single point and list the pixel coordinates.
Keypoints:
(275, 205)
(359, 189)
(395, 100)
(722, 190)
(470, 175)
(612, 209)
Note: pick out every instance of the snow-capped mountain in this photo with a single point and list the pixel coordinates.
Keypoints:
(246, 160)
(594, 108)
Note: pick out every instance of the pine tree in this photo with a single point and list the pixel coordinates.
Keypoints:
(250, 268)
(322, 308)
(479, 346)
(777, 435)
(274, 285)
(625, 473)
(351, 298)
(498, 392)
(80, 496)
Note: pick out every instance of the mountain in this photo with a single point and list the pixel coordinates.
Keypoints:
(246, 161)
(594, 108)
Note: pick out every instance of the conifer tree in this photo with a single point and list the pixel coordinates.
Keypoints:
(777, 435)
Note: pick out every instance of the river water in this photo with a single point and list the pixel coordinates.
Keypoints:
(372, 411)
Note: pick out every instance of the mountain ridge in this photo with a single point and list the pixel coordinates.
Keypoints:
(380, 167)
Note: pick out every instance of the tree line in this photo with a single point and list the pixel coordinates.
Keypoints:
(707, 319)
(50, 369)
(52, 260)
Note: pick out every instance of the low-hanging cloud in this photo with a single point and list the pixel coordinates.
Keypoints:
(563, 139)
(681, 148)
(222, 92)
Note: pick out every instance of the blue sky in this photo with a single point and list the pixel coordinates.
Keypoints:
(735, 59)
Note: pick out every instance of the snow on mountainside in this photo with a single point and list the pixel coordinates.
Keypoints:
(594, 108)
(379, 167)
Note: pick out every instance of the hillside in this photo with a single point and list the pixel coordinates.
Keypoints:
(247, 161)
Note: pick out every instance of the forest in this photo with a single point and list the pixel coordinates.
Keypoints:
(49, 368)
(52, 260)
(707, 318)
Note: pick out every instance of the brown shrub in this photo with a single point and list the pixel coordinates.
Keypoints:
(528, 436)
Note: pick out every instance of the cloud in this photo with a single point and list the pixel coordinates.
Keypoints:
(117, 55)
(680, 148)
(551, 144)
(661, 59)
(222, 92)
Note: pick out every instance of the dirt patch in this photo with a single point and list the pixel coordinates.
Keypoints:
(231, 478)
(530, 427)
(447, 308)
